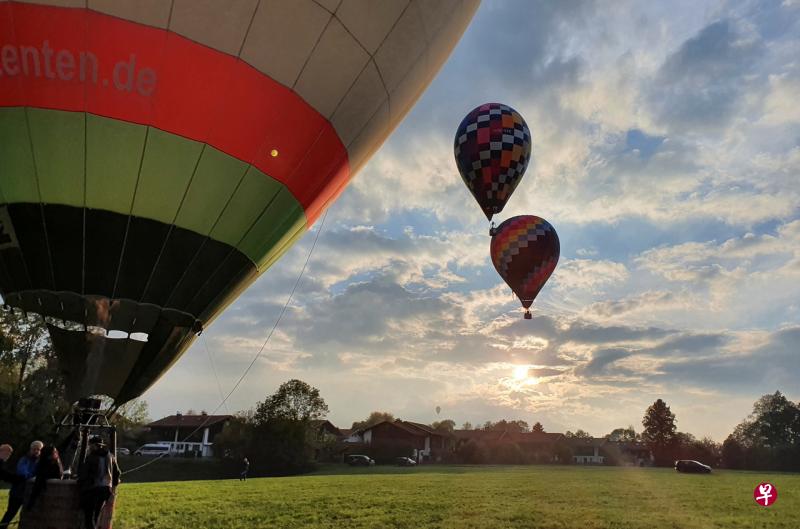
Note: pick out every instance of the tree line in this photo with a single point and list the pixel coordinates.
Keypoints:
(276, 435)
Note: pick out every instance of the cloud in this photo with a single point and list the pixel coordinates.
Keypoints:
(665, 153)
(649, 300)
(699, 85)
(588, 274)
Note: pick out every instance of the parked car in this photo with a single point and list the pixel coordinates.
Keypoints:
(688, 465)
(358, 460)
(123, 452)
(405, 462)
(152, 449)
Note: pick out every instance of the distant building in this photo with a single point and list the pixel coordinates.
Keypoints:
(629, 453)
(188, 434)
(586, 451)
(534, 447)
(389, 439)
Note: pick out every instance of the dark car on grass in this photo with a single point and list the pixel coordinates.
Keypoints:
(691, 466)
(358, 460)
(405, 462)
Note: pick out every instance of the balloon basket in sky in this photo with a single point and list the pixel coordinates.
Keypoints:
(492, 150)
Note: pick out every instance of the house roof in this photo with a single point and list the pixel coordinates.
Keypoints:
(534, 437)
(629, 445)
(408, 427)
(480, 435)
(189, 421)
(425, 428)
(503, 435)
(401, 425)
(590, 441)
(318, 424)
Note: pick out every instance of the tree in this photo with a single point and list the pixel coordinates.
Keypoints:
(130, 420)
(775, 422)
(447, 425)
(374, 418)
(294, 401)
(623, 435)
(282, 440)
(236, 438)
(579, 434)
(768, 439)
(466, 426)
(537, 428)
(506, 426)
(31, 387)
(660, 431)
(732, 453)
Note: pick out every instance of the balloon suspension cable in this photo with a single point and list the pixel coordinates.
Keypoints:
(214, 369)
(256, 357)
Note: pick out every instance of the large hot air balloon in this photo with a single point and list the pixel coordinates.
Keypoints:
(157, 156)
(525, 252)
(492, 149)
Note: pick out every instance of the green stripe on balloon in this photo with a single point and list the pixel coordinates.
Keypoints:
(18, 173)
(132, 169)
(113, 154)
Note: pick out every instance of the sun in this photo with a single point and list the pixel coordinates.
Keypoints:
(520, 372)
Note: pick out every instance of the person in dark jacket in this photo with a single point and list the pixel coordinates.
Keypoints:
(97, 478)
(5, 454)
(26, 469)
(49, 467)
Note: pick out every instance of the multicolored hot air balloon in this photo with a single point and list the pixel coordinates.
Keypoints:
(525, 252)
(158, 156)
(492, 150)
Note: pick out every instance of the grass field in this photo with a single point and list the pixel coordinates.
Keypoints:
(461, 497)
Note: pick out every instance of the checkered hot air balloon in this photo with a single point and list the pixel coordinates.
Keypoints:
(525, 252)
(492, 150)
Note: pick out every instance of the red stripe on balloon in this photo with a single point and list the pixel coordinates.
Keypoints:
(79, 60)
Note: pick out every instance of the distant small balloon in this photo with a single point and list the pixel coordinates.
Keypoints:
(438, 410)
(525, 252)
(492, 149)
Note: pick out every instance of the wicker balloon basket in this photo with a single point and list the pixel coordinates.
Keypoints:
(58, 507)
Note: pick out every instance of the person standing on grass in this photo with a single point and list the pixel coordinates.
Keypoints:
(98, 477)
(245, 469)
(26, 469)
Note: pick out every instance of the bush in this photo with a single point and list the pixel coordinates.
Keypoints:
(471, 452)
(509, 454)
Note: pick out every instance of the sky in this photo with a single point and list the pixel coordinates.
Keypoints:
(666, 153)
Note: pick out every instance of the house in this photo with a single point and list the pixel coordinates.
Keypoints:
(586, 451)
(539, 447)
(327, 440)
(629, 453)
(387, 440)
(531, 447)
(325, 430)
(188, 434)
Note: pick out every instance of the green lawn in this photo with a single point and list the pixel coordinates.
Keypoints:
(461, 497)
